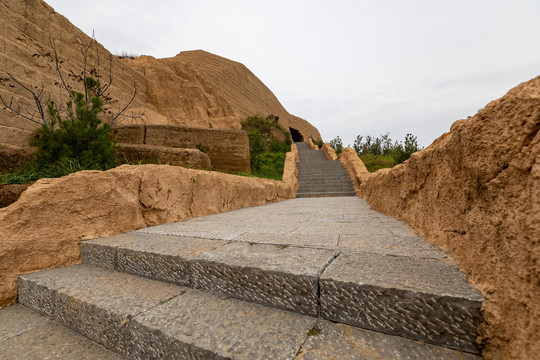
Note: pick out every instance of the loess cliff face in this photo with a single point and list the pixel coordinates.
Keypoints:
(194, 88)
(475, 192)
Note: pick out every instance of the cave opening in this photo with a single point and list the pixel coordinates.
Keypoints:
(296, 136)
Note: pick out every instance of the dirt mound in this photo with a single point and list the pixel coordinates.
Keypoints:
(475, 192)
(194, 88)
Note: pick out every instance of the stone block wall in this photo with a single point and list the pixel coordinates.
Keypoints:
(228, 149)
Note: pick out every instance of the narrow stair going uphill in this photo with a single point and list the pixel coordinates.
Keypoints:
(319, 177)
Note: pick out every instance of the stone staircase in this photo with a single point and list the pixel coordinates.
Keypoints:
(268, 282)
(319, 177)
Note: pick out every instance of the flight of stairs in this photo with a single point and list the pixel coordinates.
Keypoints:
(319, 177)
(152, 294)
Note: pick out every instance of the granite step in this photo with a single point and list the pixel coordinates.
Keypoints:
(416, 298)
(326, 185)
(324, 194)
(141, 318)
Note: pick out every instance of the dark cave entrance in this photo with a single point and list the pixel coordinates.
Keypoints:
(296, 136)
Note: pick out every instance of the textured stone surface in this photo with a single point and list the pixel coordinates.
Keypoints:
(144, 319)
(283, 277)
(423, 299)
(93, 301)
(27, 335)
(199, 325)
(160, 257)
(103, 251)
(339, 341)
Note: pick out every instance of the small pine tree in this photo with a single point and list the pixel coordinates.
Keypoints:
(81, 137)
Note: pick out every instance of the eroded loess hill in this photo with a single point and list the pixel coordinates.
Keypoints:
(194, 88)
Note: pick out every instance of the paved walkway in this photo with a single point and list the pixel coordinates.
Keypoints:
(338, 223)
(319, 259)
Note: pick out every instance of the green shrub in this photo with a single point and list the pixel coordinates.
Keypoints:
(267, 153)
(201, 147)
(81, 137)
(337, 145)
(269, 165)
(376, 162)
(382, 149)
(79, 142)
(318, 142)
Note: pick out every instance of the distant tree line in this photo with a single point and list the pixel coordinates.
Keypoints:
(382, 151)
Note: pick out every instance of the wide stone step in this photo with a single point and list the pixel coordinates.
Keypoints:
(147, 319)
(423, 299)
(420, 299)
(324, 194)
(278, 276)
(325, 190)
(326, 183)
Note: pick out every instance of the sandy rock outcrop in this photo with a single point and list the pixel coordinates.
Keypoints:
(43, 228)
(329, 152)
(475, 192)
(194, 88)
(312, 145)
(355, 167)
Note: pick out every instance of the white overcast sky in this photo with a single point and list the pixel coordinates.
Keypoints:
(350, 67)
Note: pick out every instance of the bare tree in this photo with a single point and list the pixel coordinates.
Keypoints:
(38, 113)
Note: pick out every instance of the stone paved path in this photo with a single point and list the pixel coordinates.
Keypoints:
(307, 278)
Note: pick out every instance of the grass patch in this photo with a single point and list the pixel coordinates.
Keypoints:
(376, 162)
(30, 172)
(314, 331)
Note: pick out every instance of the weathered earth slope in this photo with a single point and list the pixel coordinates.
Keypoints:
(193, 88)
(475, 192)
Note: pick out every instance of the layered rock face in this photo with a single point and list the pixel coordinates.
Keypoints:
(475, 192)
(194, 88)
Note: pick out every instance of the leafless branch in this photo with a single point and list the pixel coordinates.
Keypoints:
(125, 107)
(18, 110)
(57, 64)
(37, 100)
(84, 50)
(104, 89)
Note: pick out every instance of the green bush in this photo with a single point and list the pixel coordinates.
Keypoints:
(267, 153)
(81, 136)
(381, 152)
(79, 142)
(318, 142)
(376, 162)
(337, 145)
